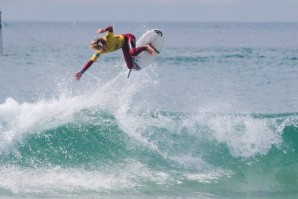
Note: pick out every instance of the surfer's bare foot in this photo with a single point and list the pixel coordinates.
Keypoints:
(151, 50)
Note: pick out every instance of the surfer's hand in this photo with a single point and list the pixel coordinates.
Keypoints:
(78, 75)
(100, 30)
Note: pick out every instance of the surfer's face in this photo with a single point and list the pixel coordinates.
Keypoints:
(103, 46)
(99, 44)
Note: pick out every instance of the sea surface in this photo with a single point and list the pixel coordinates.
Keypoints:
(215, 117)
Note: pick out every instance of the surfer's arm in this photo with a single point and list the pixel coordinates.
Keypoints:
(91, 61)
(87, 65)
(107, 29)
(79, 74)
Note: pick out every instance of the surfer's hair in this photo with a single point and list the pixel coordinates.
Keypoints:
(98, 44)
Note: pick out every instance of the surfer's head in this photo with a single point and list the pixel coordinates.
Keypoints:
(99, 44)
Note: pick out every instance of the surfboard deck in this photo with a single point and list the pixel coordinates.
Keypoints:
(156, 39)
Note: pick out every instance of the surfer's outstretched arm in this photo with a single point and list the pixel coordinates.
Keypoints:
(93, 59)
(79, 74)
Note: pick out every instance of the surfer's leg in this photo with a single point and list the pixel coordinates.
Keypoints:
(130, 41)
(127, 57)
(130, 50)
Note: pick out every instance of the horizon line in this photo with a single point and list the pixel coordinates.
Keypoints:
(153, 21)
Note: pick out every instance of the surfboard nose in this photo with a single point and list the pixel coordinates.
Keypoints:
(158, 32)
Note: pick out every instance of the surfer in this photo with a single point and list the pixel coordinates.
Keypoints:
(110, 43)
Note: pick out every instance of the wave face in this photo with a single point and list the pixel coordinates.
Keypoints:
(92, 150)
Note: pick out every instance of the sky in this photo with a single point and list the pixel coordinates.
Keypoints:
(150, 10)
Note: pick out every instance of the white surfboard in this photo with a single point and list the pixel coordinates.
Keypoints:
(156, 39)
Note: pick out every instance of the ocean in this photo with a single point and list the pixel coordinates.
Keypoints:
(215, 117)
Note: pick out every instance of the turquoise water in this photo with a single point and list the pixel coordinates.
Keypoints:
(215, 117)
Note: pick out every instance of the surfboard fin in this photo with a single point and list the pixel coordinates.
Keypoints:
(129, 73)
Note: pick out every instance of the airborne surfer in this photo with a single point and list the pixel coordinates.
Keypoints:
(110, 43)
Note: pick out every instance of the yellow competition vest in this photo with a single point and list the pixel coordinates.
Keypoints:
(114, 42)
